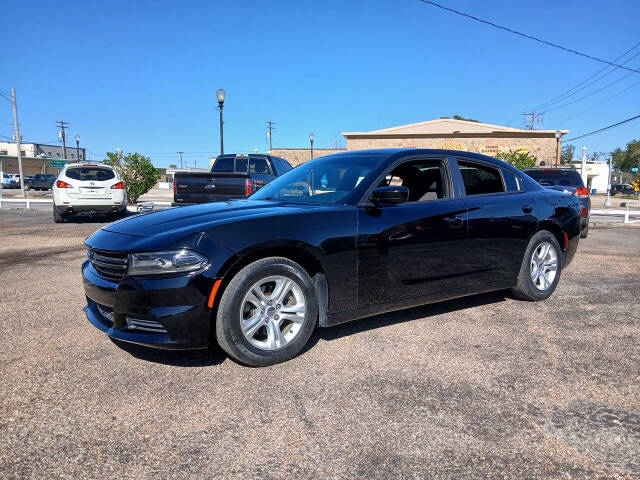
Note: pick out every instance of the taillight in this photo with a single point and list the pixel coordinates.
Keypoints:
(175, 190)
(583, 212)
(248, 187)
(61, 184)
(582, 192)
(118, 186)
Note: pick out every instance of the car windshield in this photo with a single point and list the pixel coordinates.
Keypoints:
(95, 174)
(552, 178)
(329, 179)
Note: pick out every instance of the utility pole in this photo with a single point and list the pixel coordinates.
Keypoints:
(62, 124)
(18, 139)
(270, 134)
(180, 153)
(531, 119)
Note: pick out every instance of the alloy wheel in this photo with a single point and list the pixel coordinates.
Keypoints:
(544, 266)
(272, 312)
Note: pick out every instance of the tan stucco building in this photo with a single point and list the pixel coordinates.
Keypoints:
(462, 135)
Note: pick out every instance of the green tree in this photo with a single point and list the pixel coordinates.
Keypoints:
(173, 165)
(458, 117)
(518, 160)
(625, 160)
(136, 171)
(566, 156)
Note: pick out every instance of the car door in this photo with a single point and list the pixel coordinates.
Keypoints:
(501, 220)
(416, 248)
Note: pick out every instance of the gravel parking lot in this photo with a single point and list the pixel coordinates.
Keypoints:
(483, 387)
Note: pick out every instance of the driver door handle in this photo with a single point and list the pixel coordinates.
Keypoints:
(527, 208)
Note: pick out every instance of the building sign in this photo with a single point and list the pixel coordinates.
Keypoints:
(452, 146)
(57, 163)
(491, 150)
(522, 149)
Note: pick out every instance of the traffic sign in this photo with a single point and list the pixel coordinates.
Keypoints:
(57, 163)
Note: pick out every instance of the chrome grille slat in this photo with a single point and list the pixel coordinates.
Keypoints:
(145, 325)
(111, 265)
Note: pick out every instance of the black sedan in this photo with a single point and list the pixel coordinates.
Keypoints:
(338, 238)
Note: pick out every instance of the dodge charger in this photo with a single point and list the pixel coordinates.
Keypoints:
(336, 239)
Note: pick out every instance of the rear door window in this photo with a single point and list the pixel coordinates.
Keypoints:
(93, 174)
(480, 179)
(259, 166)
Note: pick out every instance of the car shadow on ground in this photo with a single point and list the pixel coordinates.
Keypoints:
(205, 357)
(215, 355)
(405, 315)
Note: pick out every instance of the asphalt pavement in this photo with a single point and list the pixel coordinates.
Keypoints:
(481, 387)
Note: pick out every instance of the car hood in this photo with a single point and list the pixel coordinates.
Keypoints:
(195, 218)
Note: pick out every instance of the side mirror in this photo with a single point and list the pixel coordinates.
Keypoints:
(391, 195)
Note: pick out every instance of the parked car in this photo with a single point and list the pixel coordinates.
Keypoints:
(622, 188)
(566, 180)
(88, 188)
(231, 176)
(335, 239)
(39, 181)
(10, 180)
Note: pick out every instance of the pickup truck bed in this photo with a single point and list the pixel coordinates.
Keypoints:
(231, 177)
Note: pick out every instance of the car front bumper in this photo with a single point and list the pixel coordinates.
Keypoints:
(169, 313)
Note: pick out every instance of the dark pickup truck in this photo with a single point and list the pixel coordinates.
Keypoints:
(231, 176)
(41, 181)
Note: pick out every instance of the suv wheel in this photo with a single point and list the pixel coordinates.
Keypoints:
(57, 216)
(541, 267)
(267, 312)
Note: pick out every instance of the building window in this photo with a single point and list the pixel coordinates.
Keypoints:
(23, 153)
(4, 152)
(57, 154)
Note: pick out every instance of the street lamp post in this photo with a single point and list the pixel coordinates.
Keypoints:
(558, 137)
(607, 202)
(221, 95)
(78, 148)
(311, 137)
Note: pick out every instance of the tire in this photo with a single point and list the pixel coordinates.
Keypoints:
(541, 288)
(585, 231)
(238, 308)
(57, 216)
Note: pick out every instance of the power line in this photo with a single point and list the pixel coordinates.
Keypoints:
(588, 94)
(530, 37)
(599, 103)
(577, 88)
(604, 128)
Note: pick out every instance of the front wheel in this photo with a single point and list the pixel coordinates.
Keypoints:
(540, 269)
(267, 312)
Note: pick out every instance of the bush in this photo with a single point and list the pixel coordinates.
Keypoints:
(518, 160)
(136, 171)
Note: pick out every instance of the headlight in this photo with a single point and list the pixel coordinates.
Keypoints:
(167, 262)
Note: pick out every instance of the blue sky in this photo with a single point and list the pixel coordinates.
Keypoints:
(142, 75)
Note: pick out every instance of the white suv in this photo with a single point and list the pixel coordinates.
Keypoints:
(90, 188)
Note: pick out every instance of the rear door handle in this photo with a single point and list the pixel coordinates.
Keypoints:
(527, 208)
(454, 222)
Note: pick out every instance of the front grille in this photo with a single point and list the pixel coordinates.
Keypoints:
(111, 265)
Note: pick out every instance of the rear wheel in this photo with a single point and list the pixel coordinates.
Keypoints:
(541, 267)
(267, 312)
(57, 216)
(585, 231)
